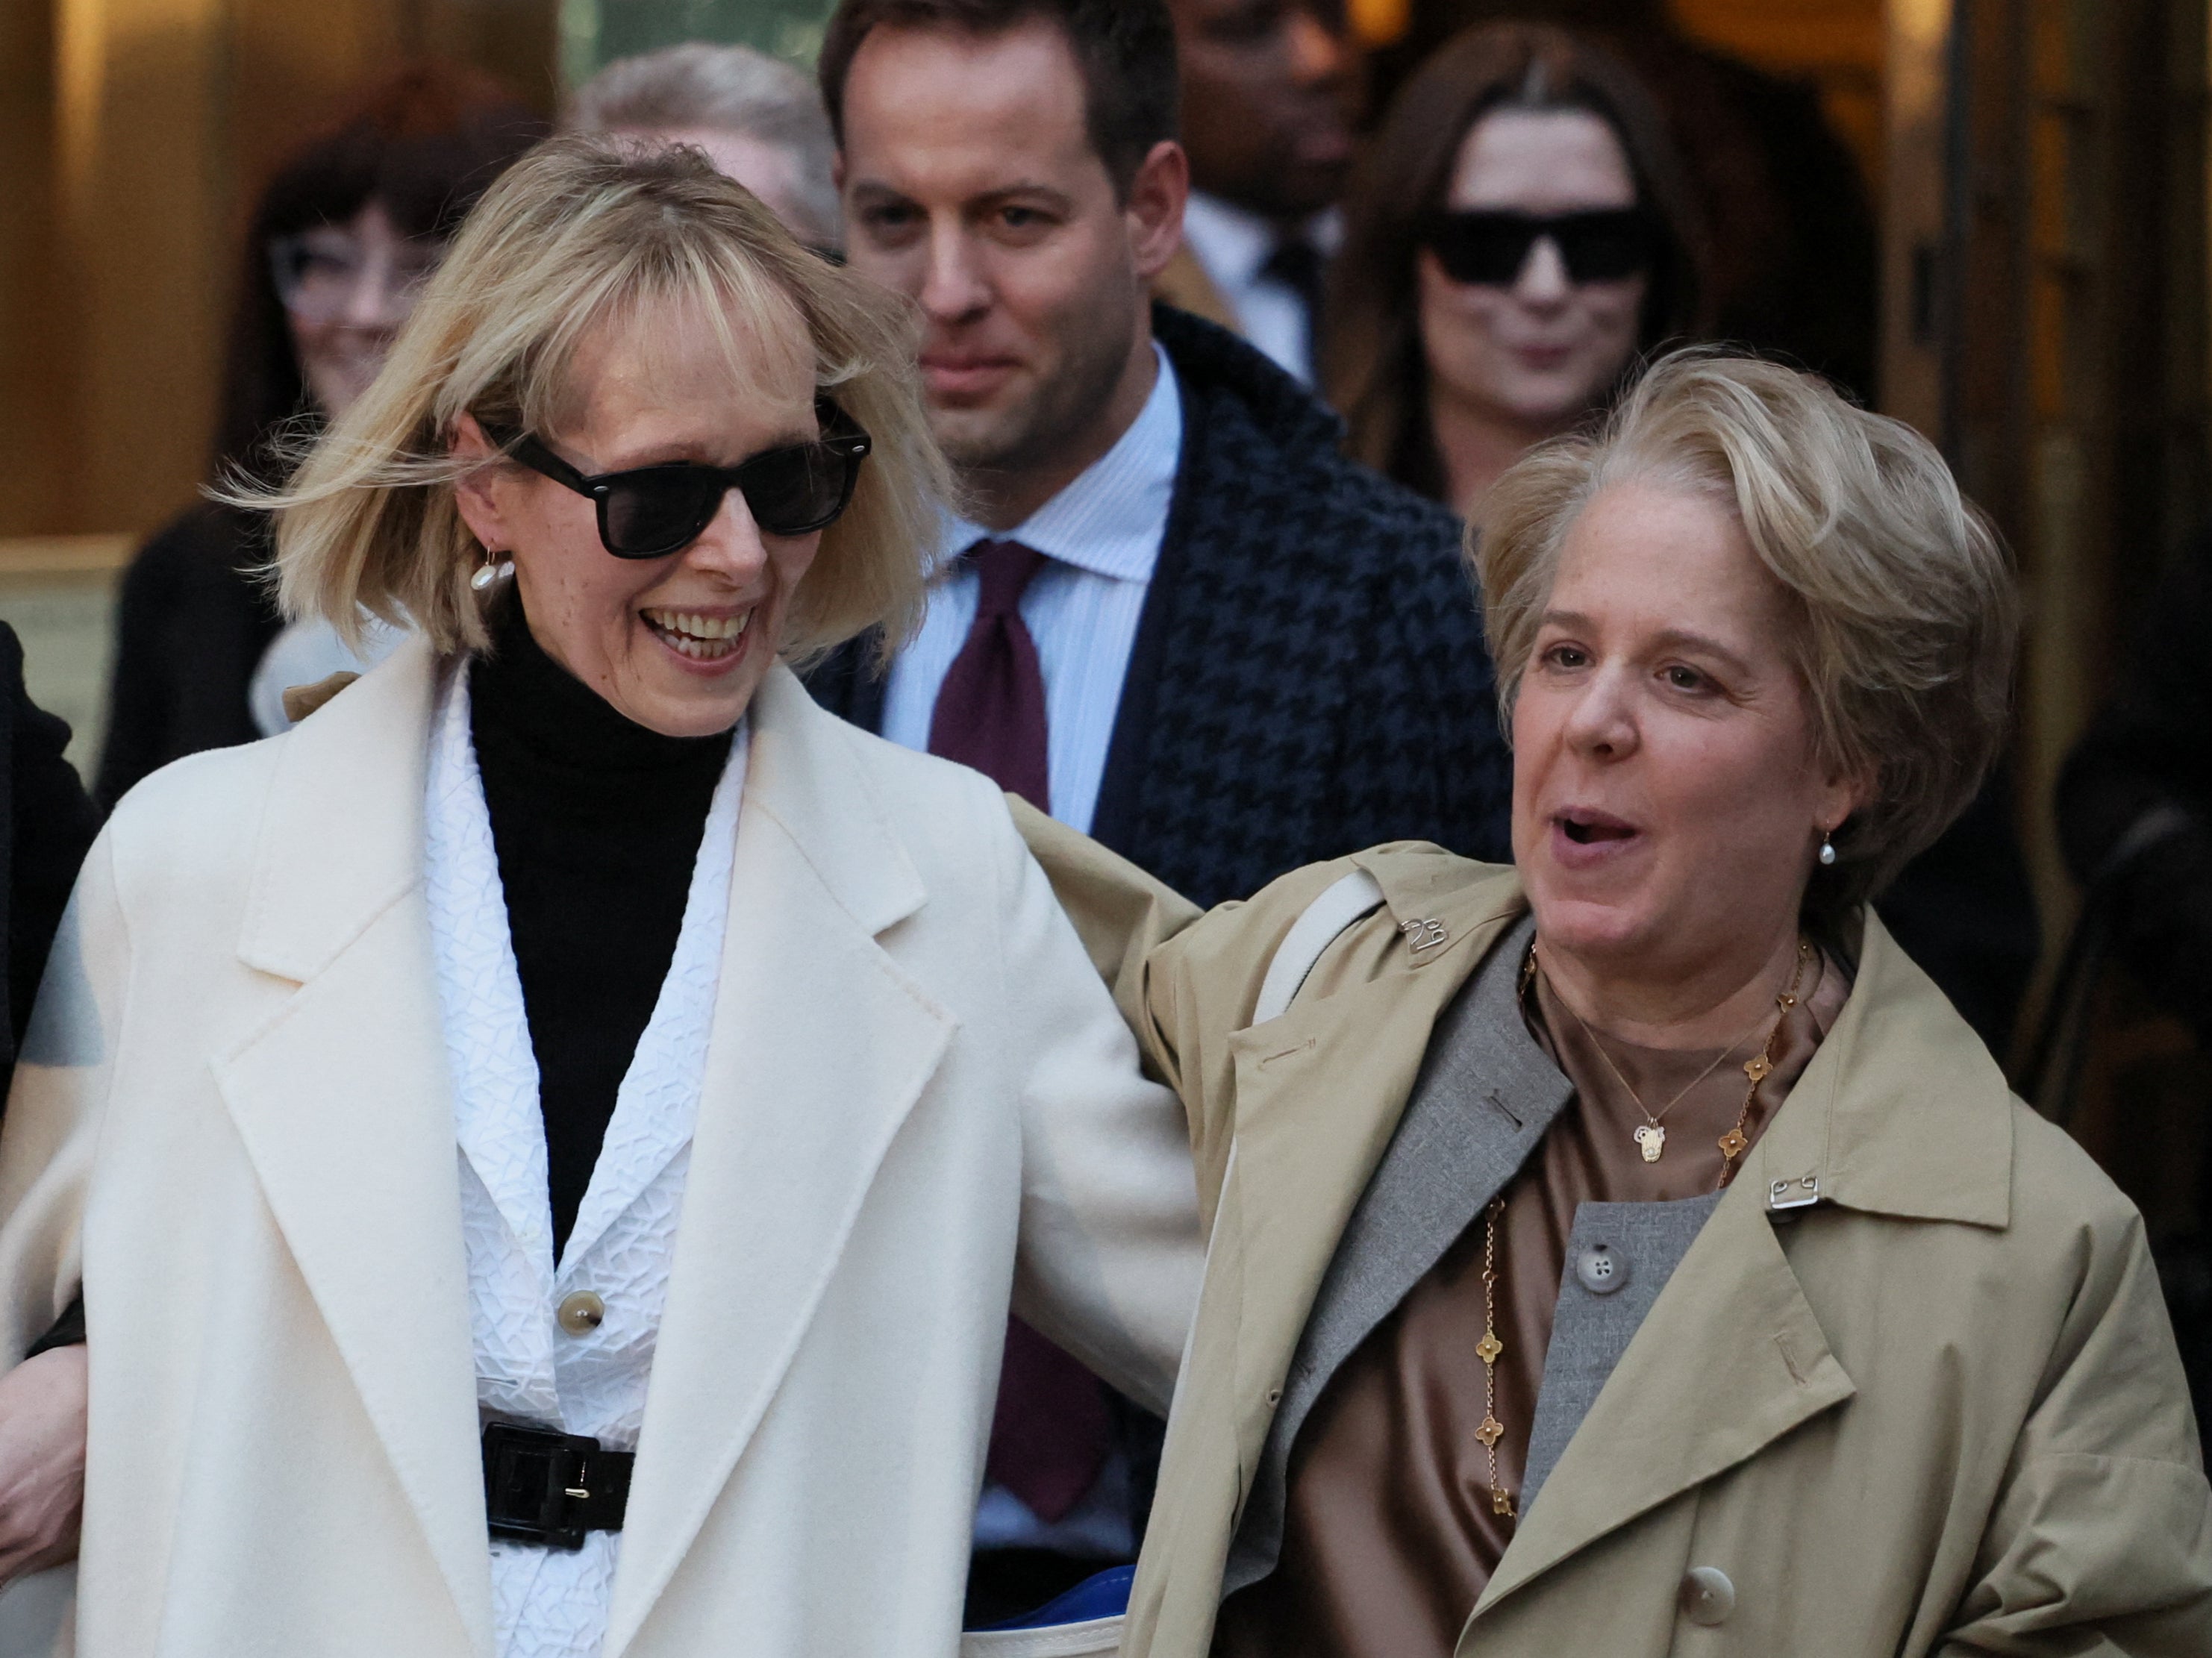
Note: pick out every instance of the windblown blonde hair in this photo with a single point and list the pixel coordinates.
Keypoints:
(577, 235)
(1906, 612)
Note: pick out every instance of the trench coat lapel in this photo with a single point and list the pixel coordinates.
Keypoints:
(1731, 1358)
(1319, 1091)
(821, 1047)
(342, 1101)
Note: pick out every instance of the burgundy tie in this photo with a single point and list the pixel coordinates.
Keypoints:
(1051, 1430)
(990, 710)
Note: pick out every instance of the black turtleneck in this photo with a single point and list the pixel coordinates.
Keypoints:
(598, 822)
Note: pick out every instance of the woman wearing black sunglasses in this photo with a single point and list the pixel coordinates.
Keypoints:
(1520, 231)
(547, 1145)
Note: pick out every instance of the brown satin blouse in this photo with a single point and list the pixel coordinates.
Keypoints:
(1389, 1533)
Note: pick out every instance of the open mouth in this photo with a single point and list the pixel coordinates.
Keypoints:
(1587, 828)
(702, 638)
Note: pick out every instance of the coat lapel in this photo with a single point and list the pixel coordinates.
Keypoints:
(821, 1047)
(1731, 1356)
(1319, 1094)
(1729, 1359)
(343, 1104)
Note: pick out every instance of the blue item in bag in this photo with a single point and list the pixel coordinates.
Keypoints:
(1104, 1595)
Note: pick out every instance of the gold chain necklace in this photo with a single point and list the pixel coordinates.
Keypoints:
(1651, 1134)
(1487, 1350)
(1733, 1144)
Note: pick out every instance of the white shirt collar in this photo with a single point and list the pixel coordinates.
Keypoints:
(1110, 520)
(1233, 243)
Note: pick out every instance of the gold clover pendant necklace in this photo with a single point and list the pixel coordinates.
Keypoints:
(1650, 1134)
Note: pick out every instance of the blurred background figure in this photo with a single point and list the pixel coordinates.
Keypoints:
(2135, 817)
(760, 121)
(342, 241)
(1520, 229)
(1271, 89)
(1519, 232)
(1792, 249)
(2135, 803)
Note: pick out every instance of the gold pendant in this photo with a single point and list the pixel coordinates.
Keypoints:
(1732, 1144)
(1756, 1068)
(1489, 1347)
(1653, 1138)
(1489, 1432)
(1501, 1502)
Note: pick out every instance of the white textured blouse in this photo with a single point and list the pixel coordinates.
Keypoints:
(546, 1603)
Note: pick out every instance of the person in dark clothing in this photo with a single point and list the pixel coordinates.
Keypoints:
(47, 823)
(1308, 670)
(343, 237)
(2135, 801)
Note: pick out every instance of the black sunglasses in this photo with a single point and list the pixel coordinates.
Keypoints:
(651, 512)
(1491, 246)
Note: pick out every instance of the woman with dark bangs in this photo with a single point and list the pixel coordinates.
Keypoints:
(1521, 230)
(344, 236)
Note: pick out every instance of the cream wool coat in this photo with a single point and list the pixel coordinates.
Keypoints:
(235, 1126)
(1938, 1411)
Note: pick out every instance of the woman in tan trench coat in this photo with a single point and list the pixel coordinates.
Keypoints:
(1633, 1252)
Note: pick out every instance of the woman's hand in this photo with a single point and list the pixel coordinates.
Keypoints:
(42, 1425)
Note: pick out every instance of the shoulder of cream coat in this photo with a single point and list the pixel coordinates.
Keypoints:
(326, 820)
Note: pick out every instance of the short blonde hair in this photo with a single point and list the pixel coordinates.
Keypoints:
(1907, 613)
(578, 234)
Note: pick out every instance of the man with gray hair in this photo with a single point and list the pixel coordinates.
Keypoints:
(760, 120)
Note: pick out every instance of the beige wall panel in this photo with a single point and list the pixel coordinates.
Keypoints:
(144, 179)
(1918, 35)
(294, 66)
(34, 389)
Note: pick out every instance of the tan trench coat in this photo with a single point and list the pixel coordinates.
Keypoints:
(1939, 1410)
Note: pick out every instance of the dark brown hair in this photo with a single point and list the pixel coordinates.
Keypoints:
(1125, 50)
(1372, 363)
(424, 145)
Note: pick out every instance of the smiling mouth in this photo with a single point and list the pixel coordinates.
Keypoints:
(702, 638)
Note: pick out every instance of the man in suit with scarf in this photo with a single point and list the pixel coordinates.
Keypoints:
(1175, 616)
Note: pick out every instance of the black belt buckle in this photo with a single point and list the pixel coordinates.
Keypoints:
(537, 1485)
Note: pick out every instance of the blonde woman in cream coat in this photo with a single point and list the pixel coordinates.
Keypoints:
(278, 1125)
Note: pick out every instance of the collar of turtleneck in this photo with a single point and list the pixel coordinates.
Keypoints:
(541, 717)
(597, 824)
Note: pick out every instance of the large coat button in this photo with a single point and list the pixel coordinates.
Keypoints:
(1708, 1597)
(1602, 1269)
(581, 1312)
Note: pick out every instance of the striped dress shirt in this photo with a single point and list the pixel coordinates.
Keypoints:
(1101, 537)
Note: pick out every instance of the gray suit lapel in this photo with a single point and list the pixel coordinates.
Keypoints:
(1485, 1095)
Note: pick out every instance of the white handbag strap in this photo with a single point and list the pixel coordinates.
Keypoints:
(1357, 895)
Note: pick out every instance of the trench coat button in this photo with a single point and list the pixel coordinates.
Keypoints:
(581, 1312)
(1601, 1268)
(1708, 1597)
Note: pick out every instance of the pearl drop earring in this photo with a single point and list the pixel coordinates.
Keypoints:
(1827, 849)
(489, 572)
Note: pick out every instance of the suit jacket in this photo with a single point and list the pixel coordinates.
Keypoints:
(1309, 675)
(46, 824)
(1911, 1391)
(236, 1129)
